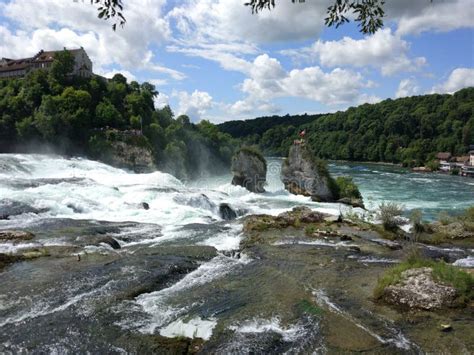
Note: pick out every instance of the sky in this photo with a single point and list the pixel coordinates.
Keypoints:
(214, 60)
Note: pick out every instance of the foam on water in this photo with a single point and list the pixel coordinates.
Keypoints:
(156, 304)
(39, 309)
(193, 328)
(257, 325)
(465, 262)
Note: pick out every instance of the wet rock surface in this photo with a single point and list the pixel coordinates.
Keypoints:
(249, 170)
(315, 275)
(418, 290)
(226, 212)
(15, 235)
(302, 175)
(10, 208)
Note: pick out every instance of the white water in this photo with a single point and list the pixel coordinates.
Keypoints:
(93, 190)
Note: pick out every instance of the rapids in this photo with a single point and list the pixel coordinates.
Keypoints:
(176, 272)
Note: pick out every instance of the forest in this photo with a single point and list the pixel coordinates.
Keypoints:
(408, 130)
(71, 114)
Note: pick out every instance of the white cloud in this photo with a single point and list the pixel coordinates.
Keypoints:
(269, 80)
(194, 105)
(161, 100)
(130, 77)
(458, 79)
(368, 99)
(419, 16)
(382, 50)
(227, 21)
(158, 82)
(407, 87)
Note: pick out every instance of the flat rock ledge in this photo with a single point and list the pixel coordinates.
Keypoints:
(15, 235)
(418, 290)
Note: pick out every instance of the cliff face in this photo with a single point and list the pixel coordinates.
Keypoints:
(136, 158)
(250, 170)
(123, 149)
(304, 175)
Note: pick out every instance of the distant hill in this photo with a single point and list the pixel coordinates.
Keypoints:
(240, 129)
(409, 130)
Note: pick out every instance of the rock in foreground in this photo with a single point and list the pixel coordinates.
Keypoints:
(15, 235)
(302, 174)
(249, 170)
(418, 290)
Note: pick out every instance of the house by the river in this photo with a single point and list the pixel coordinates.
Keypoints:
(464, 165)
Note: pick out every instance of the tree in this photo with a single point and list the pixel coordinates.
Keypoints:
(368, 13)
(110, 9)
(63, 65)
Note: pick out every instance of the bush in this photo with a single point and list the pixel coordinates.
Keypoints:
(442, 272)
(310, 230)
(444, 218)
(347, 188)
(433, 165)
(416, 219)
(389, 213)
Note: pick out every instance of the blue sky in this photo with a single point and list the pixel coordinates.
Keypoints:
(213, 59)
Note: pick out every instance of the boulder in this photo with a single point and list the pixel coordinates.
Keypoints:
(302, 174)
(226, 212)
(110, 241)
(15, 236)
(354, 202)
(418, 290)
(249, 170)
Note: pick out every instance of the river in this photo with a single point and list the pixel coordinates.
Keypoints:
(175, 273)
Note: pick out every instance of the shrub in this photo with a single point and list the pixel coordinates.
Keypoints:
(347, 188)
(416, 219)
(389, 213)
(444, 218)
(310, 230)
(442, 272)
(433, 165)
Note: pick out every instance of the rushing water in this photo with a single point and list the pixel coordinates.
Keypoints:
(429, 192)
(59, 305)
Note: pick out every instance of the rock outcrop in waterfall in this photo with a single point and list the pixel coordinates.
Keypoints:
(303, 174)
(249, 169)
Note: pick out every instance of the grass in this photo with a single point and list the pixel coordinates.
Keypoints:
(442, 272)
(310, 230)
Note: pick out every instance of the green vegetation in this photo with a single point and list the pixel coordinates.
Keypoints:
(86, 116)
(310, 230)
(346, 188)
(409, 130)
(389, 213)
(442, 272)
(416, 219)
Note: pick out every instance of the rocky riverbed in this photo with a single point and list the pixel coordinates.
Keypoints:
(300, 282)
(87, 266)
